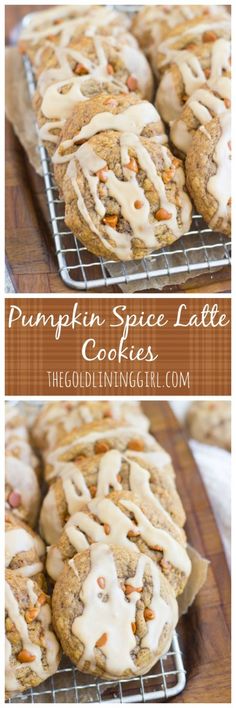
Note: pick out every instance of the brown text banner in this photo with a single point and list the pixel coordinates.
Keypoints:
(118, 346)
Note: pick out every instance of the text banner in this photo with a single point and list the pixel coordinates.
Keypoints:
(118, 346)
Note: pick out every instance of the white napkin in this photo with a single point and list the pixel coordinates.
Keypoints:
(214, 465)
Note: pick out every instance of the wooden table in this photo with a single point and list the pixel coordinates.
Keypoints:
(29, 249)
(205, 631)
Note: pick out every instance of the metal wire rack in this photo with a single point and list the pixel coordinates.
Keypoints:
(69, 686)
(80, 270)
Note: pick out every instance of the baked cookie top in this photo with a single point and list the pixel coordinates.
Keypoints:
(195, 42)
(56, 419)
(124, 113)
(204, 104)
(208, 172)
(97, 476)
(125, 519)
(113, 611)
(125, 195)
(32, 651)
(153, 22)
(61, 23)
(99, 437)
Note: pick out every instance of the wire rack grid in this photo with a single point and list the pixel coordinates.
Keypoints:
(80, 270)
(69, 686)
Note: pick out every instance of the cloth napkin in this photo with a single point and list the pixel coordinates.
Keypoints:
(214, 465)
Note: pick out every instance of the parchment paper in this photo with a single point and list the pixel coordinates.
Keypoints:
(20, 113)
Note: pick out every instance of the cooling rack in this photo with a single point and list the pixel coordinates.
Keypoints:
(69, 686)
(80, 270)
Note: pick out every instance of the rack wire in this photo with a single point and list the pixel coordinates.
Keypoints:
(80, 270)
(70, 686)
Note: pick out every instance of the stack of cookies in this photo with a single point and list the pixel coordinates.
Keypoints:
(32, 652)
(189, 49)
(124, 191)
(116, 548)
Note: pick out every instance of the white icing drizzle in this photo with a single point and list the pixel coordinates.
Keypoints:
(219, 185)
(132, 119)
(220, 58)
(45, 130)
(204, 105)
(81, 525)
(42, 23)
(32, 595)
(139, 481)
(50, 521)
(12, 683)
(109, 468)
(20, 623)
(121, 432)
(18, 540)
(114, 617)
(71, 486)
(173, 552)
(171, 54)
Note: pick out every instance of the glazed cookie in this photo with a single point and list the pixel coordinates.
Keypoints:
(100, 66)
(195, 37)
(210, 423)
(22, 450)
(99, 437)
(114, 612)
(125, 196)
(208, 172)
(24, 549)
(195, 55)
(57, 419)
(125, 113)
(153, 22)
(97, 476)
(204, 104)
(22, 493)
(60, 25)
(123, 518)
(32, 651)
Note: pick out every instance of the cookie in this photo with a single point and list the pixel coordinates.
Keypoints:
(97, 476)
(60, 25)
(208, 172)
(55, 420)
(125, 196)
(204, 104)
(32, 650)
(113, 612)
(22, 492)
(24, 549)
(125, 113)
(192, 53)
(196, 38)
(125, 519)
(210, 422)
(99, 437)
(100, 66)
(153, 22)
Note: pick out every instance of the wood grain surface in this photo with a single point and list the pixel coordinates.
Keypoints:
(205, 631)
(30, 252)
